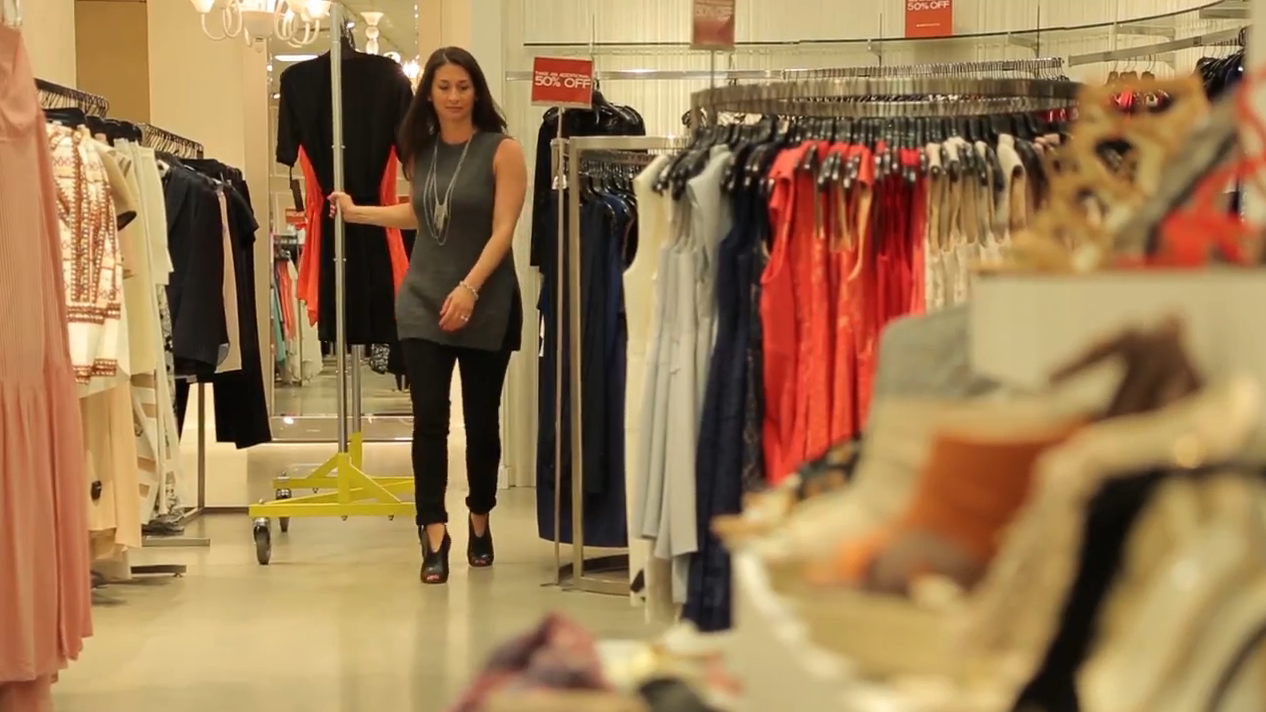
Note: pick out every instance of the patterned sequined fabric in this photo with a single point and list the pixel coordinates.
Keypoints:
(754, 405)
(171, 469)
(92, 266)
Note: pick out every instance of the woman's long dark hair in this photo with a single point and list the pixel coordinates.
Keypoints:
(422, 123)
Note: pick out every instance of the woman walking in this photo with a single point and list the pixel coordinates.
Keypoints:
(459, 304)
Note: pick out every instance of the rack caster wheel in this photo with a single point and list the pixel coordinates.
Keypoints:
(263, 542)
(391, 517)
(285, 521)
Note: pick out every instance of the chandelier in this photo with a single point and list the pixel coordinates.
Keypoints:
(411, 67)
(296, 22)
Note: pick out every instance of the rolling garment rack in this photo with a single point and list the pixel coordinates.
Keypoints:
(354, 493)
(575, 155)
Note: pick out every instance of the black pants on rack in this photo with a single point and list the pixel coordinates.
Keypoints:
(430, 370)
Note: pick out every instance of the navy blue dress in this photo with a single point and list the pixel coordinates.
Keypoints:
(605, 219)
(719, 469)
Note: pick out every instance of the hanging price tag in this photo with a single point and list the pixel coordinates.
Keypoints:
(564, 82)
(929, 18)
(712, 25)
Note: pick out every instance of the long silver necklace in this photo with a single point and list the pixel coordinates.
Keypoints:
(439, 209)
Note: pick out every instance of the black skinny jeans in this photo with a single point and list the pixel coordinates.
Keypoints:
(430, 369)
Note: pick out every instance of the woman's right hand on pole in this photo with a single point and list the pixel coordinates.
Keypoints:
(340, 202)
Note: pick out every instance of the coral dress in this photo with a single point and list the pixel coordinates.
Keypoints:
(45, 583)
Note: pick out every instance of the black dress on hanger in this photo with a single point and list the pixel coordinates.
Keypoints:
(376, 96)
(241, 406)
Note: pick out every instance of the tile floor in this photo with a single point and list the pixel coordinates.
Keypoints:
(337, 623)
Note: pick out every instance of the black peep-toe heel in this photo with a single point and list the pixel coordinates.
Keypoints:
(435, 563)
(479, 548)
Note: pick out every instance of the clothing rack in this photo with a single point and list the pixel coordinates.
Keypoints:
(887, 97)
(576, 154)
(56, 96)
(1041, 66)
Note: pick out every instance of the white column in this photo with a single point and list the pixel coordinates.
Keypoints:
(486, 43)
(216, 94)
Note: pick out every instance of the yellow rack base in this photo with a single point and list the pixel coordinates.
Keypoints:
(354, 494)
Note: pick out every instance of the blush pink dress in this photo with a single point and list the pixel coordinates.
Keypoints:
(45, 582)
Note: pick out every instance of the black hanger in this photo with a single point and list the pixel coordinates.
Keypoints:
(347, 37)
(70, 117)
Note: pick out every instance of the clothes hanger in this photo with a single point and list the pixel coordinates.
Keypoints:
(347, 38)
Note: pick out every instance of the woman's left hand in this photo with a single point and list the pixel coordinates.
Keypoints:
(457, 309)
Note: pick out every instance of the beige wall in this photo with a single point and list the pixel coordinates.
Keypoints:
(112, 54)
(430, 27)
(48, 27)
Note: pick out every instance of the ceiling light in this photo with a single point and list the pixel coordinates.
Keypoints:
(293, 57)
(296, 22)
(412, 70)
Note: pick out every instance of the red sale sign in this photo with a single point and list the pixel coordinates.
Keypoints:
(929, 18)
(558, 81)
(712, 25)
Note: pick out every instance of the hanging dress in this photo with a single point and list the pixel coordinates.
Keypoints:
(45, 600)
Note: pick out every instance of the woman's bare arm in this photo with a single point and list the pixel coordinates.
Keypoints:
(510, 172)
(398, 216)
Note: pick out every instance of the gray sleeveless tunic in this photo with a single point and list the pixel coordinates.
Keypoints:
(435, 269)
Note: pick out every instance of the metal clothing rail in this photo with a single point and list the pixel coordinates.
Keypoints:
(572, 152)
(887, 97)
(1036, 66)
(349, 491)
(56, 96)
(161, 139)
(1221, 37)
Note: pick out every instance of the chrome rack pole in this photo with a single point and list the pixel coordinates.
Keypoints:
(577, 376)
(559, 152)
(340, 249)
(192, 514)
(154, 541)
(358, 358)
(202, 447)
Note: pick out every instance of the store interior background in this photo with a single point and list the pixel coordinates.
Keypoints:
(153, 62)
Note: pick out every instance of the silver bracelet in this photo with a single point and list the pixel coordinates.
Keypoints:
(474, 292)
